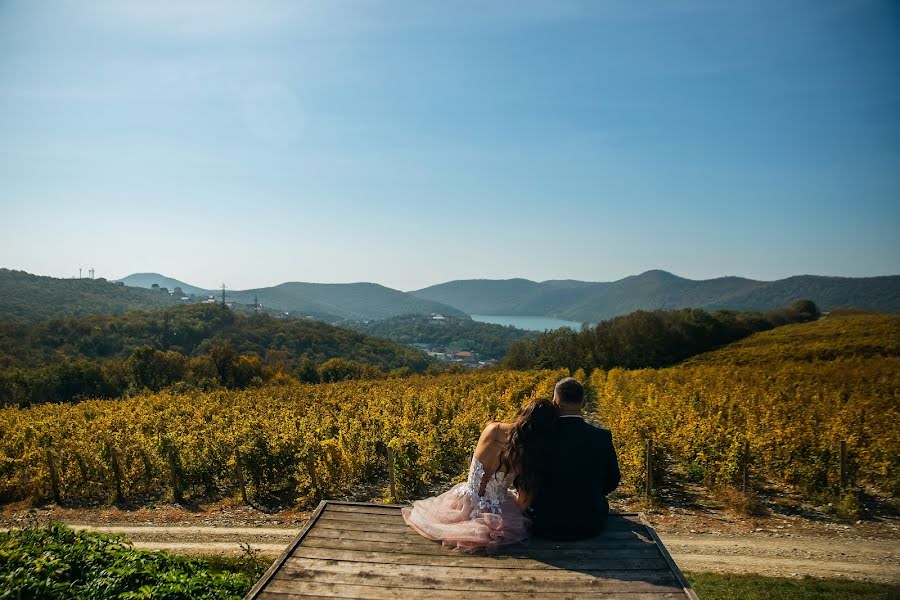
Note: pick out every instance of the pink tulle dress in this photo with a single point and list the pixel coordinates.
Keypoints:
(465, 520)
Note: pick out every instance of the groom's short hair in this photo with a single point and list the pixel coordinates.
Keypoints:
(568, 390)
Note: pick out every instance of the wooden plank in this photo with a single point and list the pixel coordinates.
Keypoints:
(330, 523)
(291, 596)
(270, 573)
(477, 561)
(463, 579)
(339, 523)
(661, 576)
(518, 551)
(416, 539)
(381, 515)
(372, 592)
(686, 586)
(473, 586)
(397, 518)
(384, 504)
(375, 509)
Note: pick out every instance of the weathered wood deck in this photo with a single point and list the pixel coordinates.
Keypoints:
(357, 550)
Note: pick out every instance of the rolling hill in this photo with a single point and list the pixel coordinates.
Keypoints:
(325, 301)
(26, 297)
(342, 301)
(838, 336)
(146, 280)
(597, 301)
(193, 330)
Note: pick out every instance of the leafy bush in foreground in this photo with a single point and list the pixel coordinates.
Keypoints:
(58, 562)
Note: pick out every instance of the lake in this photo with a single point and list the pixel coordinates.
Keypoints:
(530, 323)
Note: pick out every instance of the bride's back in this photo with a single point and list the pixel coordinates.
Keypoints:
(490, 443)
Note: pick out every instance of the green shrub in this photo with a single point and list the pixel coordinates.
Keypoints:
(57, 562)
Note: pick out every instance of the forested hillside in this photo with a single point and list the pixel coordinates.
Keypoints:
(26, 298)
(192, 330)
(660, 290)
(194, 346)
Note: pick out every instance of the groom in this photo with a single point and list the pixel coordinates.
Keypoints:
(580, 470)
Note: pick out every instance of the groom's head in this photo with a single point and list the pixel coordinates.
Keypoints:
(568, 396)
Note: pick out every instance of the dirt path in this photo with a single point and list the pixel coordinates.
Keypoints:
(707, 538)
(869, 560)
(861, 559)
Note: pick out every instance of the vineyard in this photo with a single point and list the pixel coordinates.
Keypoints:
(297, 442)
(791, 417)
(781, 401)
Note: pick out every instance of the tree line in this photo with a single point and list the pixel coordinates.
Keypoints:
(649, 339)
(151, 370)
(199, 347)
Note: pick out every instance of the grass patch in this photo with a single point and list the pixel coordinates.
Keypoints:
(715, 586)
(250, 564)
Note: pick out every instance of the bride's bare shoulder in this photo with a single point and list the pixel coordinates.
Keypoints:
(495, 430)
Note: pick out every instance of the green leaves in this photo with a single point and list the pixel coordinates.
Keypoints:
(56, 562)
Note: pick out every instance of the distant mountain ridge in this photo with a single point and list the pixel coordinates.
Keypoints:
(564, 299)
(344, 301)
(146, 280)
(325, 301)
(597, 301)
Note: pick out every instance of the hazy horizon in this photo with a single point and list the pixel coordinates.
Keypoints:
(256, 143)
(266, 285)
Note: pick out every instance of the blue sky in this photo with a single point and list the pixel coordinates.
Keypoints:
(410, 143)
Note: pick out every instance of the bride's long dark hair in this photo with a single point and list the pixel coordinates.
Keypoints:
(525, 450)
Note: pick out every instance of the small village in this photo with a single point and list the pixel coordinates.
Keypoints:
(448, 354)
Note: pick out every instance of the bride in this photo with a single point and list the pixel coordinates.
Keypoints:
(482, 513)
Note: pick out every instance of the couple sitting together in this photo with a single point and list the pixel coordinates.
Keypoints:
(561, 467)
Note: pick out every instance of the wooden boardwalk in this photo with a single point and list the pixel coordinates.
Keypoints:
(357, 550)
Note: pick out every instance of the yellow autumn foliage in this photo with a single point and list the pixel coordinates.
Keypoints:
(793, 415)
(295, 442)
(792, 393)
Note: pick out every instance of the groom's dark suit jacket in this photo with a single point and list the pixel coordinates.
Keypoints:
(581, 469)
